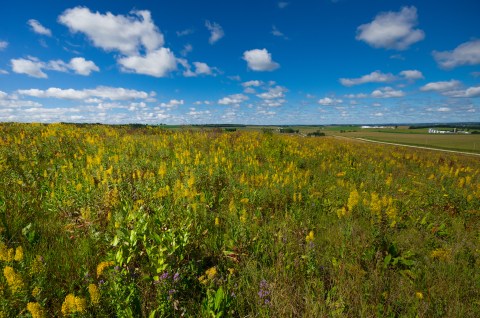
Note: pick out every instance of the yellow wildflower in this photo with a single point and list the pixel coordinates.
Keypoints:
(14, 280)
(73, 304)
(442, 254)
(36, 310)
(244, 200)
(101, 267)
(353, 199)
(6, 254)
(217, 221)
(310, 237)
(94, 294)
(419, 295)
(36, 292)
(37, 265)
(19, 254)
(211, 272)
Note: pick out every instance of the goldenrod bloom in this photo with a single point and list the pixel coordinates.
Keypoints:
(94, 294)
(101, 267)
(73, 304)
(14, 280)
(19, 254)
(36, 310)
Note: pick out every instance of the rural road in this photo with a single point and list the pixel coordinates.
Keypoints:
(410, 146)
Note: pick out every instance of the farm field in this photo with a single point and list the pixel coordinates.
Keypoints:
(101, 221)
(469, 143)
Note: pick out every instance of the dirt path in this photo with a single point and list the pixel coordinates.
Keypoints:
(410, 146)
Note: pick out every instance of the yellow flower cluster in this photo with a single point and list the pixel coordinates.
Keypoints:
(310, 237)
(37, 266)
(36, 310)
(73, 304)
(14, 280)
(6, 254)
(441, 254)
(209, 275)
(94, 294)
(18, 254)
(102, 266)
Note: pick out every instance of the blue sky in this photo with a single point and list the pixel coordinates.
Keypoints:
(246, 62)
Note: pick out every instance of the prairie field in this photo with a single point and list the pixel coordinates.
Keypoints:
(99, 221)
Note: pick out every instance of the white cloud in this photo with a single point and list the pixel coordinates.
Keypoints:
(103, 92)
(83, 67)
(441, 86)
(235, 99)
(327, 101)
(276, 32)
(126, 34)
(467, 53)
(185, 32)
(412, 75)
(3, 45)
(187, 48)
(273, 92)
(387, 92)
(254, 83)
(360, 95)
(34, 67)
(283, 4)
(156, 63)
(200, 68)
(3, 72)
(172, 103)
(392, 30)
(260, 60)
(469, 92)
(31, 67)
(216, 31)
(38, 28)
(3, 95)
(443, 109)
(374, 77)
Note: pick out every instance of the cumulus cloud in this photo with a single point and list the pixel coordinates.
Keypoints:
(102, 92)
(253, 83)
(200, 68)
(3, 45)
(34, 67)
(374, 77)
(234, 99)
(327, 101)
(187, 48)
(467, 53)
(273, 92)
(469, 92)
(83, 67)
(31, 67)
(156, 63)
(392, 30)
(441, 86)
(359, 95)
(38, 28)
(172, 103)
(412, 75)
(127, 34)
(260, 60)
(216, 31)
(387, 92)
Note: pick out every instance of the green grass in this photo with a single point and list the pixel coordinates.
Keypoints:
(469, 143)
(201, 223)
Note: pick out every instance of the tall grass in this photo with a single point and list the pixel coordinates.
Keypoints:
(117, 222)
